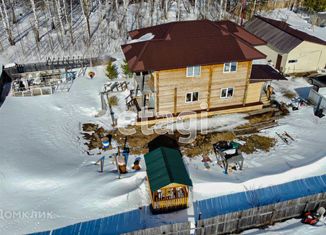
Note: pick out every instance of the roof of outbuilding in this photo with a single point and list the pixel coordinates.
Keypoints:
(167, 141)
(186, 43)
(264, 72)
(165, 166)
(279, 34)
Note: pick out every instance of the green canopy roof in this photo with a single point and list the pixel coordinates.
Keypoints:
(165, 166)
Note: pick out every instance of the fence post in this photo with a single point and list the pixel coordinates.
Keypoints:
(238, 222)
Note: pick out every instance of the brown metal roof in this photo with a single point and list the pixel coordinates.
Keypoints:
(186, 43)
(241, 33)
(296, 33)
(279, 35)
(264, 72)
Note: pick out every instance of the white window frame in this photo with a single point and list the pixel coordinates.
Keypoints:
(193, 71)
(229, 71)
(192, 97)
(227, 90)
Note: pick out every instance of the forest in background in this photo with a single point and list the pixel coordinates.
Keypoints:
(33, 30)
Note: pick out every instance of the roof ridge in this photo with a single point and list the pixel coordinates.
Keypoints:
(167, 23)
(140, 54)
(243, 28)
(166, 163)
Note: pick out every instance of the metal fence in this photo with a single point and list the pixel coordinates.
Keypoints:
(224, 214)
(259, 216)
(316, 98)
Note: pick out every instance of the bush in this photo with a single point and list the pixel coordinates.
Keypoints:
(125, 69)
(111, 71)
(113, 101)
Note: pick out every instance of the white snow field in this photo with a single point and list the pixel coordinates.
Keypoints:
(44, 167)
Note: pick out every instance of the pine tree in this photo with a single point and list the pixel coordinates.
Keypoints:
(111, 71)
(315, 5)
(125, 69)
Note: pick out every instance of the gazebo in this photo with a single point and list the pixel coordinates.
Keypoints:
(168, 179)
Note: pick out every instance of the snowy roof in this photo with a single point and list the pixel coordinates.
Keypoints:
(165, 166)
(186, 43)
(279, 34)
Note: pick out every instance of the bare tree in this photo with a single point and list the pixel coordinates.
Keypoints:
(6, 23)
(36, 27)
(253, 10)
(70, 23)
(221, 10)
(86, 9)
(49, 13)
(12, 9)
(59, 11)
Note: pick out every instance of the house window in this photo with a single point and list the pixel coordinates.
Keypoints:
(191, 97)
(293, 61)
(230, 67)
(227, 93)
(193, 71)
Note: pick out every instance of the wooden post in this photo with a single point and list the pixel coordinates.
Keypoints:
(175, 101)
(142, 81)
(102, 164)
(116, 161)
(247, 83)
(157, 92)
(209, 88)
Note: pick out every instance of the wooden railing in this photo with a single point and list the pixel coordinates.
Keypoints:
(170, 203)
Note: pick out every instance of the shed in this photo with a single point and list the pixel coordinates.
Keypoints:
(168, 179)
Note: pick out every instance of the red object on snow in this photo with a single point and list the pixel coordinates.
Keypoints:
(309, 218)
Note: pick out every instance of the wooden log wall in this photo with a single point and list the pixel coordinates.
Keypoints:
(208, 85)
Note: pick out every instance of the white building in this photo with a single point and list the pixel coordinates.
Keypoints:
(288, 49)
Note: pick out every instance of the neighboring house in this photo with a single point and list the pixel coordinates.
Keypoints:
(194, 66)
(288, 49)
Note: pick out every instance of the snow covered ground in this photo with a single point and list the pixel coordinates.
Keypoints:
(44, 167)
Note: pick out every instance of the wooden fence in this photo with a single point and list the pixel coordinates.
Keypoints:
(180, 228)
(259, 216)
(241, 220)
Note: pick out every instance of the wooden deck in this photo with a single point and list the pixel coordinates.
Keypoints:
(202, 113)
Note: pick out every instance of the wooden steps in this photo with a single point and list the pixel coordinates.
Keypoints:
(265, 100)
